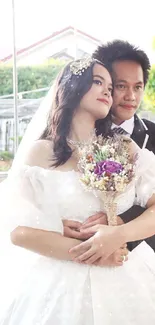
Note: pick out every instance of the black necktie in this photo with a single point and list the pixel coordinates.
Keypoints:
(119, 130)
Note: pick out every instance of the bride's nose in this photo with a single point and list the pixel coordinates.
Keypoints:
(106, 92)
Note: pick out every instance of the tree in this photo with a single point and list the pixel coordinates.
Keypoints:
(30, 77)
(149, 97)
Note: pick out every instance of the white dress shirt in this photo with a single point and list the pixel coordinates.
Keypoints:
(127, 125)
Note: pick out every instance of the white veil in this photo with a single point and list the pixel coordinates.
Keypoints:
(34, 129)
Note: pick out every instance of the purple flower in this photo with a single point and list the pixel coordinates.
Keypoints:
(107, 166)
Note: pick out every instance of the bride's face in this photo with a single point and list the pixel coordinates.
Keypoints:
(98, 100)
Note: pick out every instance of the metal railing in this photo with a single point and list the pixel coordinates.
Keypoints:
(20, 94)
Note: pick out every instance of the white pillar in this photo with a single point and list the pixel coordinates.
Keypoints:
(15, 81)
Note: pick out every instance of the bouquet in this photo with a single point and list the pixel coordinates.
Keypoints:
(107, 168)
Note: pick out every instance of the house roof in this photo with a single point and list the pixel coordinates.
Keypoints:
(50, 37)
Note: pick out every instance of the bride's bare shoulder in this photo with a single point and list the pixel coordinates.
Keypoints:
(40, 154)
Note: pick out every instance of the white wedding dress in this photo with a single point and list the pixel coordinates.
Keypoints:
(37, 290)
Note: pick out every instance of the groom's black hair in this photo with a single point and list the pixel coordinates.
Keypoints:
(69, 90)
(119, 50)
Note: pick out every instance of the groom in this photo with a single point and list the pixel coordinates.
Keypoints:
(129, 67)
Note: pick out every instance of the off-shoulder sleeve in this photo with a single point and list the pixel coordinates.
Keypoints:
(29, 198)
(145, 180)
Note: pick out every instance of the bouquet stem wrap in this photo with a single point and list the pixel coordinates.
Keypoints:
(110, 206)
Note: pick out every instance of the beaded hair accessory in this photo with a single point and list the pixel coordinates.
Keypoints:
(79, 66)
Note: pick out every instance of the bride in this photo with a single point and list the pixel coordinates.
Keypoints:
(42, 279)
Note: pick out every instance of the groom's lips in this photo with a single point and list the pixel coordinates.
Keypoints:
(128, 107)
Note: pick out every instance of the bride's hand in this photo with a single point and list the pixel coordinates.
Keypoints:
(96, 219)
(106, 241)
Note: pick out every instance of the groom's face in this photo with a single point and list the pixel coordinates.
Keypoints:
(128, 89)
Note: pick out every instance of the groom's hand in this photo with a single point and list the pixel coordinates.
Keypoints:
(116, 259)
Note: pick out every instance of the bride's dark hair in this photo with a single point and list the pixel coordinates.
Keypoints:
(68, 92)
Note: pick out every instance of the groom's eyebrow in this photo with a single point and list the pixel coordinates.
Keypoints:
(98, 76)
(125, 81)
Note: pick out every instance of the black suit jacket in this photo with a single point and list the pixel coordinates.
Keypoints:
(144, 135)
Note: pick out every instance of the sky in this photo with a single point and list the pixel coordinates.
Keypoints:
(132, 20)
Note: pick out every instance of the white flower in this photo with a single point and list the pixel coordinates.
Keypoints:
(112, 150)
(89, 167)
(103, 149)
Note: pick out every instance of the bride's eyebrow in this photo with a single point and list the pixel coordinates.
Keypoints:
(98, 76)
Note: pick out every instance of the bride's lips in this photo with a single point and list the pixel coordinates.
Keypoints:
(103, 100)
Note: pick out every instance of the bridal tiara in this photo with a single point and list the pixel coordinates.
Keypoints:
(79, 66)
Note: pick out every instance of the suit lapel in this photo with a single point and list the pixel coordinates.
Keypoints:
(140, 134)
